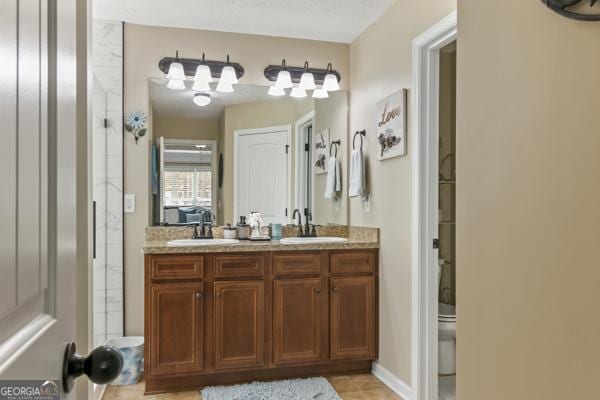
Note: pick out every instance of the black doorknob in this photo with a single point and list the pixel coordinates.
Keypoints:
(101, 366)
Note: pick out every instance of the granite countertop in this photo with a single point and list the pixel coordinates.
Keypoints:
(358, 238)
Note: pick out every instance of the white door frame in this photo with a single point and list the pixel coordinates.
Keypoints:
(425, 126)
(300, 127)
(257, 131)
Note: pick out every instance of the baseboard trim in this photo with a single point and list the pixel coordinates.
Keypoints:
(392, 381)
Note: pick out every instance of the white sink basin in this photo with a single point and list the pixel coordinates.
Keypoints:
(312, 240)
(201, 242)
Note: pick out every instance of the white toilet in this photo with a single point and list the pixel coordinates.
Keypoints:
(446, 334)
(446, 339)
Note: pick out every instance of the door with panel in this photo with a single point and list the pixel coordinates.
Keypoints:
(352, 317)
(43, 251)
(176, 329)
(239, 324)
(298, 307)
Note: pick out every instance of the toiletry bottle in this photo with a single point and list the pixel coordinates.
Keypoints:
(243, 229)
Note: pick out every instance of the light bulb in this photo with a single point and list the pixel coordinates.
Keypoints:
(320, 93)
(275, 91)
(224, 87)
(202, 99)
(298, 93)
(331, 83)
(176, 84)
(284, 80)
(307, 81)
(228, 75)
(202, 78)
(176, 71)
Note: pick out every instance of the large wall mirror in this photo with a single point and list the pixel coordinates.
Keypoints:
(246, 151)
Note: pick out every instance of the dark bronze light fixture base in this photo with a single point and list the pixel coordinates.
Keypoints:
(563, 7)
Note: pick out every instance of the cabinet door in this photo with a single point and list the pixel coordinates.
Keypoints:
(298, 314)
(353, 317)
(239, 324)
(176, 324)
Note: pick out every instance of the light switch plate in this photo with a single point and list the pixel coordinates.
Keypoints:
(129, 203)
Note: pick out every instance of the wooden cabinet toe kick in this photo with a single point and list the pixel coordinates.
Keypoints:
(213, 319)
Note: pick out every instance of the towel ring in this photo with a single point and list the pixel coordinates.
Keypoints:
(360, 134)
(337, 144)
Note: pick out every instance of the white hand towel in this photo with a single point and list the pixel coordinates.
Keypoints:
(357, 174)
(334, 182)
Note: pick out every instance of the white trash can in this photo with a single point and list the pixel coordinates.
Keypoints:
(132, 349)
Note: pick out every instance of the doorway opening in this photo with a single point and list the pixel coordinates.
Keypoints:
(305, 183)
(433, 217)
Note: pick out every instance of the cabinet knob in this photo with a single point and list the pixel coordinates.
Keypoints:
(198, 295)
(334, 289)
(317, 290)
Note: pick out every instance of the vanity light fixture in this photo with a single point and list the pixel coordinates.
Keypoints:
(204, 71)
(176, 75)
(284, 78)
(202, 99)
(330, 83)
(307, 80)
(320, 93)
(203, 77)
(276, 91)
(298, 92)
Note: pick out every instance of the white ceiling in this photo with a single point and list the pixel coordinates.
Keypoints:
(327, 20)
(178, 103)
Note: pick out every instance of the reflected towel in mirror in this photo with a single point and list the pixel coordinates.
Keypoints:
(334, 183)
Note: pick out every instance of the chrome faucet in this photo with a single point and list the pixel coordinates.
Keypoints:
(300, 231)
(205, 227)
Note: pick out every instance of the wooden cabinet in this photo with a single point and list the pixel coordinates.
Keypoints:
(221, 318)
(175, 340)
(352, 317)
(298, 310)
(239, 324)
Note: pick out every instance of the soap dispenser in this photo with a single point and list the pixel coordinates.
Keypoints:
(243, 229)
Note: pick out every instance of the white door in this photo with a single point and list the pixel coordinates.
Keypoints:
(39, 197)
(262, 173)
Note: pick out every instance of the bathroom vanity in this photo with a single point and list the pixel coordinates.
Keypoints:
(258, 311)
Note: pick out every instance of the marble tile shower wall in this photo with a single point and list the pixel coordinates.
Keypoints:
(107, 45)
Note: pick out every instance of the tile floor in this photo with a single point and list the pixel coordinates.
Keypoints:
(349, 387)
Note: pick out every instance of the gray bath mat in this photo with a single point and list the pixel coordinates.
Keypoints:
(291, 389)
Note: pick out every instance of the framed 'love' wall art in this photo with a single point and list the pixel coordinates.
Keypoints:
(391, 126)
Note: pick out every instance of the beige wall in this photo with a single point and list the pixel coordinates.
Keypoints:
(528, 139)
(185, 128)
(381, 65)
(144, 46)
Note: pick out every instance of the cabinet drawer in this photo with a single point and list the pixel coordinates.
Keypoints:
(297, 264)
(239, 265)
(176, 267)
(352, 262)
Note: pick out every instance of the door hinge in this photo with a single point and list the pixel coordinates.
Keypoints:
(436, 243)
(106, 122)
(287, 148)
(306, 147)
(286, 211)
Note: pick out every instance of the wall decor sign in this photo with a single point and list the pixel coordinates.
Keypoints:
(573, 9)
(320, 151)
(391, 126)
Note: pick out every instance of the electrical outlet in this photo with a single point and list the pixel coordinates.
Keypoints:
(129, 203)
(367, 203)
